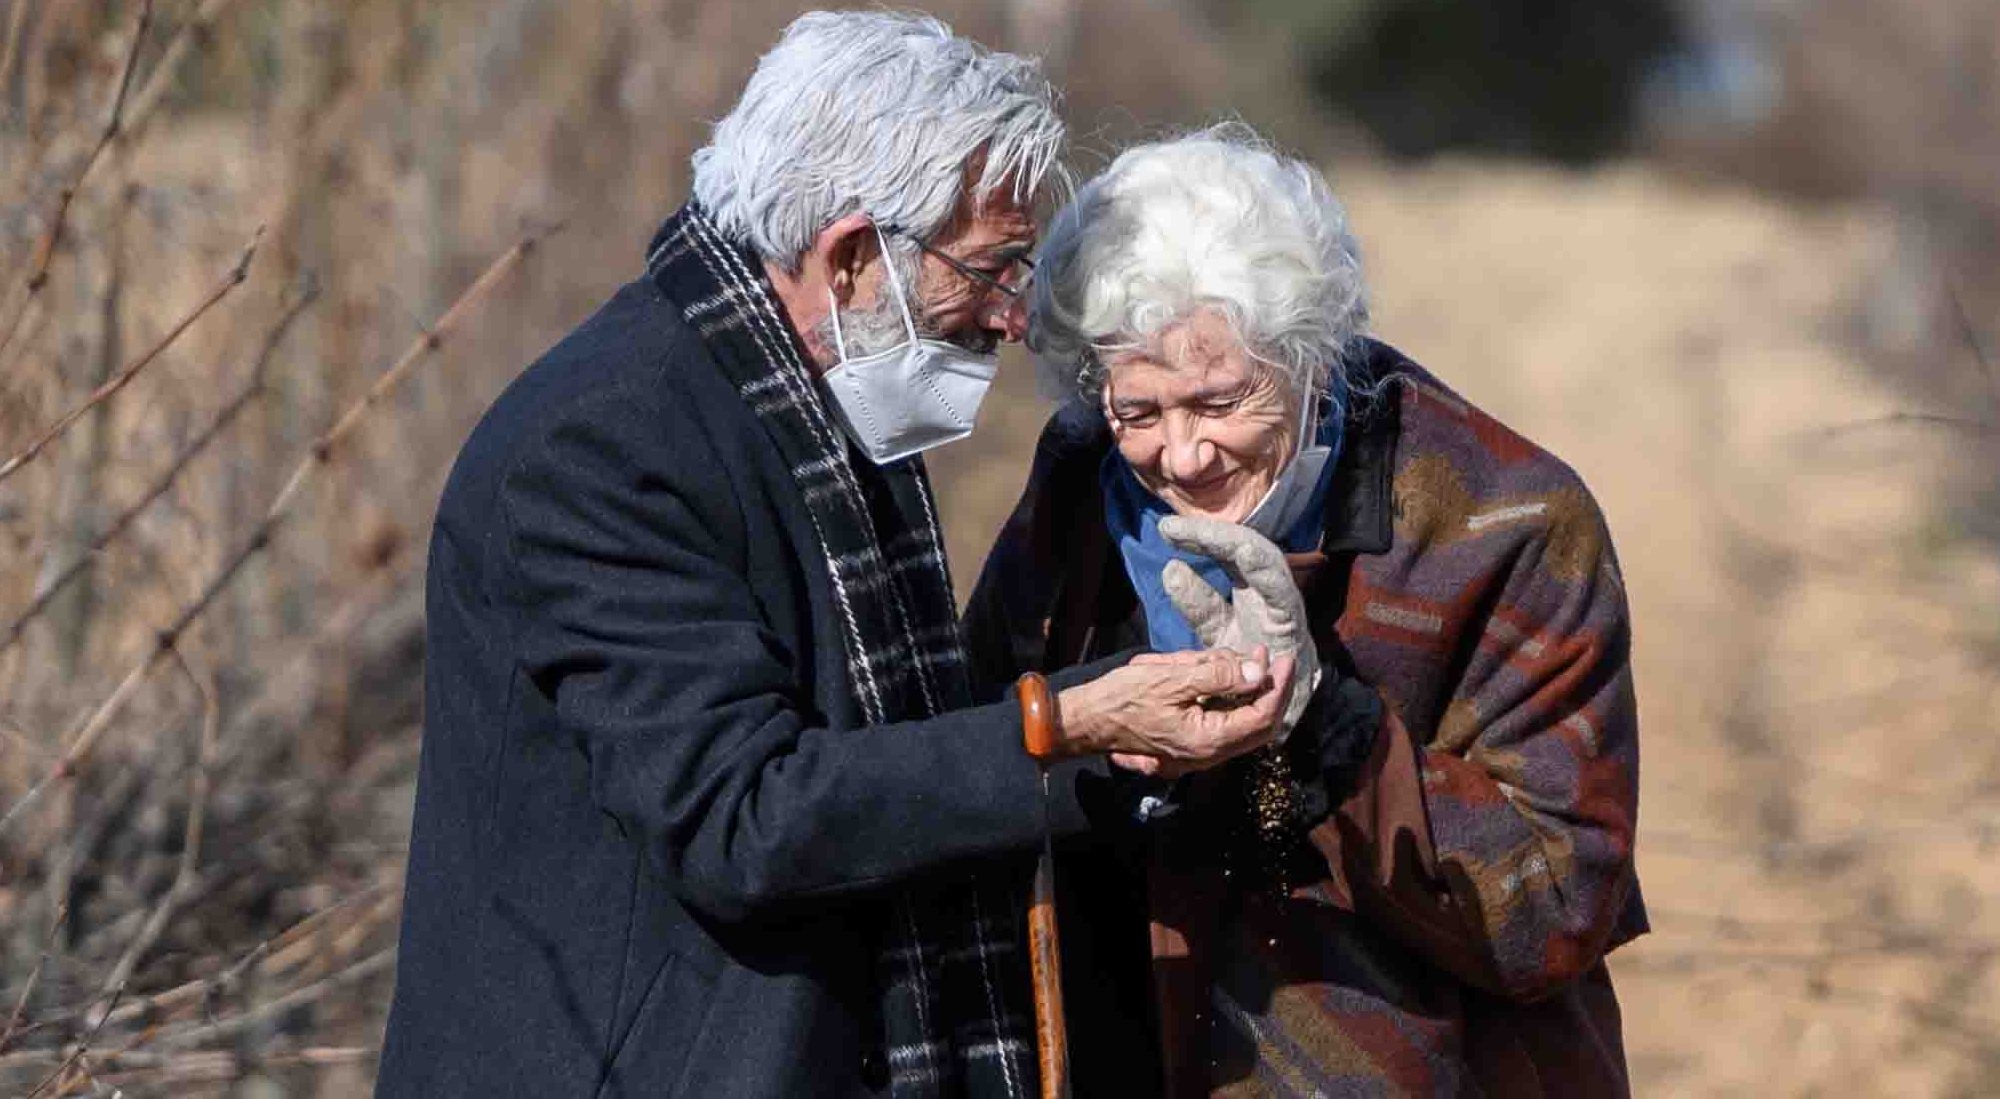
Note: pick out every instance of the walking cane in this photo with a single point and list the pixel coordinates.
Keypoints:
(1039, 732)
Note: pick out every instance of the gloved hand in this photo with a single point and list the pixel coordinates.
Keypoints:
(1264, 606)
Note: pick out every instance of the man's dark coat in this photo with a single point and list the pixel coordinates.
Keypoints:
(651, 846)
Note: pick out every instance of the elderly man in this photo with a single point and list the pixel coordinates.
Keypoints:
(705, 807)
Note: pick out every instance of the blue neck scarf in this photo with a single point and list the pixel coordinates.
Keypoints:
(1133, 514)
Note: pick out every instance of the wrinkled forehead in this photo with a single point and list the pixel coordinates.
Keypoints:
(1194, 359)
(1000, 219)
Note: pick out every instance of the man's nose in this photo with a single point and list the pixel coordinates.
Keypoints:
(1008, 318)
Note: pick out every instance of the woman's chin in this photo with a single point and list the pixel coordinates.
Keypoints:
(1231, 511)
(1228, 500)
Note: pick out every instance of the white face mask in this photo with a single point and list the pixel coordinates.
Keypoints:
(919, 394)
(1291, 494)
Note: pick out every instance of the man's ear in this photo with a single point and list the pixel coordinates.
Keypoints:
(841, 251)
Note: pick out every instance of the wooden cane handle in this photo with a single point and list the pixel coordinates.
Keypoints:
(1041, 722)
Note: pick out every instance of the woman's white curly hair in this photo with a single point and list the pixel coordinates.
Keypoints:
(1213, 220)
(878, 112)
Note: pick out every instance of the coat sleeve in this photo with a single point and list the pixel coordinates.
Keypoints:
(637, 620)
(1502, 848)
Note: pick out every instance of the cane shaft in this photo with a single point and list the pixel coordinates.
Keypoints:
(1045, 961)
(1041, 735)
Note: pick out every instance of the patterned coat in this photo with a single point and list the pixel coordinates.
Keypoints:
(1473, 871)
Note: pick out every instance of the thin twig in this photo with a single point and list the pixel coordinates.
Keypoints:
(316, 458)
(45, 248)
(273, 954)
(1956, 423)
(22, 738)
(118, 381)
(216, 1065)
(192, 32)
(198, 790)
(424, 346)
(89, 1077)
(1970, 332)
(255, 389)
(81, 743)
(82, 1047)
(17, 25)
(34, 975)
(290, 1001)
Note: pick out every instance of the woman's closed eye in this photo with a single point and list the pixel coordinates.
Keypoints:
(1147, 416)
(1219, 406)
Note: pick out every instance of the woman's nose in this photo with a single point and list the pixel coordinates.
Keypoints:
(1187, 455)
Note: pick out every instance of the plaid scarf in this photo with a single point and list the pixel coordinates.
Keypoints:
(953, 980)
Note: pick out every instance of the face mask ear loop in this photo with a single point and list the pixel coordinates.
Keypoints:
(1308, 420)
(1308, 427)
(902, 302)
(833, 306)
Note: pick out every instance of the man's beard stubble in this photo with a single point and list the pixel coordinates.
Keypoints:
(866, 332)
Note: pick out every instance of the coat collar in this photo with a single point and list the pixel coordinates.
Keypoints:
(1360, 508)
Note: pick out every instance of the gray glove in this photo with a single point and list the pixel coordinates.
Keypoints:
(1264, 606)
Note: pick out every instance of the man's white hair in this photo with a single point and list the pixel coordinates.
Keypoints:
(878, 112)
(1213, 220)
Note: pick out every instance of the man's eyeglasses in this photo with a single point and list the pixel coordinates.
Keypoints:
(1012, 281)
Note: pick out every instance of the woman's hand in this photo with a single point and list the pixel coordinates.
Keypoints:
(1170, 713)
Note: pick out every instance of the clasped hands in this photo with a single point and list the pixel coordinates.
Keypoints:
(1168, 714)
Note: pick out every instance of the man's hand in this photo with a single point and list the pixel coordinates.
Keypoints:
(1170, 713)
(1264, 607)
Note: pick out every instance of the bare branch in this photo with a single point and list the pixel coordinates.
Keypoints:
(45, 248)
(425, 346)
(192, 32)
(22, 738)
(316, 458)
(215, 1066)
(1970, 333)
(112, 531)
(34, 975)
(235, 1024)
(82, 1048)
(275, 954)
(184, 874)
(285, 952)
(1955, 423)
(10, 50)
(112, 385)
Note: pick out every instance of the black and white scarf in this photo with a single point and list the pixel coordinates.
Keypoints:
(952, 975)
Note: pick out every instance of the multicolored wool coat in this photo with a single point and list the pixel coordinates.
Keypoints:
(1449, 935)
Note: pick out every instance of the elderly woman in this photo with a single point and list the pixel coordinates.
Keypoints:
(1413, 892)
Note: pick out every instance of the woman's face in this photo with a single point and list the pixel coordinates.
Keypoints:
(1207, 428)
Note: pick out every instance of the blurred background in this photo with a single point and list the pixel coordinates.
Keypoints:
(1738, 261)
